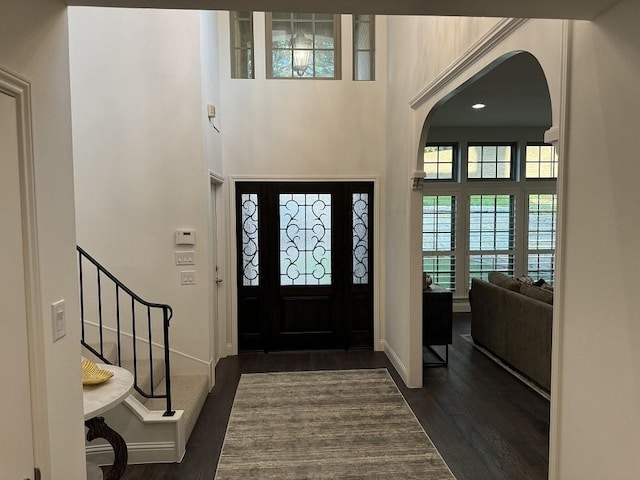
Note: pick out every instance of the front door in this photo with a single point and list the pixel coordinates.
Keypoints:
(16, 441)
(304, 268)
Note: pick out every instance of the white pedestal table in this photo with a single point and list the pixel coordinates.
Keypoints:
(97, 400)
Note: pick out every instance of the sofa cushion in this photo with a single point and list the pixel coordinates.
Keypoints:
(505, 281)
(537, 293)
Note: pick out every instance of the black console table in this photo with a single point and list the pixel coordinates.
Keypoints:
(437, 313)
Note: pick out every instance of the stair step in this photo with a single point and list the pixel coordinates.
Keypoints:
(144, 379)
(189, 393)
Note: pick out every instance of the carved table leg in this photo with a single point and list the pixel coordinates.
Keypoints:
(99, 429)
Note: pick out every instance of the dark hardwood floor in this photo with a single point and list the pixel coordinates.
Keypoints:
(485, 423)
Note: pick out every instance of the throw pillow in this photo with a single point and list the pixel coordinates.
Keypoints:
(537, 293)
(525, 279)
(504, 281)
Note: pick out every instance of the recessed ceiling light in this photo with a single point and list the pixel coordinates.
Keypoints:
(478, 106)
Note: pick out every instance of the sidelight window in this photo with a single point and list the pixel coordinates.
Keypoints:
(360, 224)
(250, 248)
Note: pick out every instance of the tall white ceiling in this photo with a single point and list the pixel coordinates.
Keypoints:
(578, 9)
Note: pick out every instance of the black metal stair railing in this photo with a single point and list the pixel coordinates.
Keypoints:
(121, 290)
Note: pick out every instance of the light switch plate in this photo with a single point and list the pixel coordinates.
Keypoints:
(188, 277)
(58, 320)
(185, 258)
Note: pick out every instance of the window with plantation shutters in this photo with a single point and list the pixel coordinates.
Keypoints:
(491, 235)
(488, 206)
(541, 238)
(439, 239)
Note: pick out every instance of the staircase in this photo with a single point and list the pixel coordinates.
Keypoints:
(120, 328)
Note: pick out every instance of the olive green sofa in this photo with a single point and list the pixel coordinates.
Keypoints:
(514, 322)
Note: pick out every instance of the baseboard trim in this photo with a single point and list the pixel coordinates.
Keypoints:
(395, 360)
(461, 305)
(147, 452)
(155, 344)
(151, 416)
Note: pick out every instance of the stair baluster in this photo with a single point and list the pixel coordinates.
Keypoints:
(121, 289)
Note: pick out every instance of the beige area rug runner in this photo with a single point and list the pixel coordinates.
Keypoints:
(345, 424)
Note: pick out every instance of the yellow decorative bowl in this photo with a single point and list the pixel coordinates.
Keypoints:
(92, 375)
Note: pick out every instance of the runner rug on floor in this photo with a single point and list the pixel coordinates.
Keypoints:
(344, 424)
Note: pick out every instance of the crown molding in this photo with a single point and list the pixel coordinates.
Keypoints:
(499, 32)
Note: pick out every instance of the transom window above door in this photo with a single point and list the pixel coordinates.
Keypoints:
(303, 45)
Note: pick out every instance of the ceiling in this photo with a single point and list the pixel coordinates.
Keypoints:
(577, 9)
(514, 91)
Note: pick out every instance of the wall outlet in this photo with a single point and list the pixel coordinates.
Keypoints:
(185, 258)
(188, 277)
(211, 111)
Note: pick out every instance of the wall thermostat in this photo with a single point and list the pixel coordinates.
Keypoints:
(185, 237)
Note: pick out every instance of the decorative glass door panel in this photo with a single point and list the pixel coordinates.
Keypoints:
(250, 249)
(305, 239)
(304, 265)
(360, 226)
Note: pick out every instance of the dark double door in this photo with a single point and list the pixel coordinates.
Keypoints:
(305, 273)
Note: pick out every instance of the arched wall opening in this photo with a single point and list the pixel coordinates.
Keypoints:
(426, 106)
(485, 142)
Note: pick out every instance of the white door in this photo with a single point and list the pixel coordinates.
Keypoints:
(16, 438)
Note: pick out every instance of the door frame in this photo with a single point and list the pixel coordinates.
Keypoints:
(20, 89)
(217, 347)
(378, 322)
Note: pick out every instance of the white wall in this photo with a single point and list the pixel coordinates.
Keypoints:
(141, 152)
(211, 93)
(302, 129)
(598, 414)
(33, 43)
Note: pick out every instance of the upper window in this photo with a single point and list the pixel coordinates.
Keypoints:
(541, 161)
(490, 162)
(440, 162)
(303, 45)
(364, 47)
(241, 44)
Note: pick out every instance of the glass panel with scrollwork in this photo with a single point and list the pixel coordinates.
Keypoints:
(305, 238)
(250, 247)
(360, 225)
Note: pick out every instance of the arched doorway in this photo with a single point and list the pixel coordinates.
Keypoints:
(484, 143)
(489, 199)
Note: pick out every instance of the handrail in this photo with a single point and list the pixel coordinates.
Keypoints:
(167, 314)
